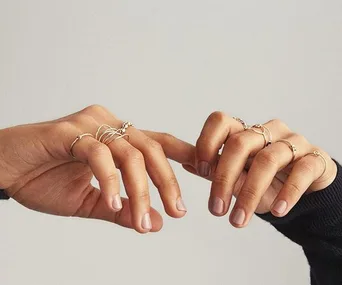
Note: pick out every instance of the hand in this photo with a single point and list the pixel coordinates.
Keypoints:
(262, 178)
(37, 170)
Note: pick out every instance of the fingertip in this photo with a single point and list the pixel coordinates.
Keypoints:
(157, 220)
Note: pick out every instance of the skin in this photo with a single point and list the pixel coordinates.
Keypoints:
(258, 176)
(37, 170)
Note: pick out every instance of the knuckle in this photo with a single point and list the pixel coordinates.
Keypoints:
(293, 189)
(217, 117)
(306, 167)
(248, 193)
(302, 139)
(98, 149)
(171, 181)
(94, 109)
(267, 158)
(133, 155)
(237, 142)
(205, 143)
(154, 145)
(279, 124)
(143, 195)
(62, 127)
(221, 179)
(112, 177)
(167, 138)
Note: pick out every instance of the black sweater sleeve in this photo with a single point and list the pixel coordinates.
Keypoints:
(315, 223)
(3, 195)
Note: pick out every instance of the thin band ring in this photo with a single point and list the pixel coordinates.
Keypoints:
(316, 153)
(78, 138)
(270, 138)
(292, 147)
(245, 126)
(106, 134)
(262, 132)
(125, 126)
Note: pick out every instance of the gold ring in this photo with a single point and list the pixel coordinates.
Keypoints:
(292, 147)
(78, 138)
(316, 153)
(106, 134)
(245, 126)
(261, 132)
(270, 138)
(125, 126)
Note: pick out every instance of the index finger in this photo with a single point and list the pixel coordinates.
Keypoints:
(174, 148)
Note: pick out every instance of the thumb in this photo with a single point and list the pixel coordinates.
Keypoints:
(174, 148)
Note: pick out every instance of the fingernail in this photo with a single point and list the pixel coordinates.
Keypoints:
(117, 204)
(238, 217)
(146, 222)
(280, 206)
(217, 206)
(180, 205)
(204, 169)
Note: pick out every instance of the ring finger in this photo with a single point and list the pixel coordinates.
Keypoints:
(237, 149)
(266, 164)
(131, 163)
(160, 172)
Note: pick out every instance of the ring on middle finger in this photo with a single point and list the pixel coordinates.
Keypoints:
(106, 134)
(264, 131)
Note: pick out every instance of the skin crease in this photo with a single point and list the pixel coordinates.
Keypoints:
(39, 173)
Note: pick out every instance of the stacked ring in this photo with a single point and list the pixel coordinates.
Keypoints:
(104, 134)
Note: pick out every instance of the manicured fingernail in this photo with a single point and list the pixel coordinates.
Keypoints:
(238, 217)
(180, 205)
(117, 204)
(217, 206)
(204, 169)
(280, 206)
(146, 222)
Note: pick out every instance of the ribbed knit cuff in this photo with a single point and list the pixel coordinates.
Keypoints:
(329, 198)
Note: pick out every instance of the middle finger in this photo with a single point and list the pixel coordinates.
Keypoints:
(237, 149)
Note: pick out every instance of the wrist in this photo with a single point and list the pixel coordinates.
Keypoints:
(4, 179)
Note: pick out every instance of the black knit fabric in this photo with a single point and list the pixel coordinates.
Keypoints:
(3, 195)
(315, 223)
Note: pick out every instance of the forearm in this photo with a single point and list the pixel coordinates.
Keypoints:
(315, 223)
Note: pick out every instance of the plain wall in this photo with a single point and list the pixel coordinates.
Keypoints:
(166, 65)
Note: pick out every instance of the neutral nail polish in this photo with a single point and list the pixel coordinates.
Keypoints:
(238, 217)
(204, 169)
(280, 206)
(180, 205)
(117, 204)
(217, 205)
(146, 222)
